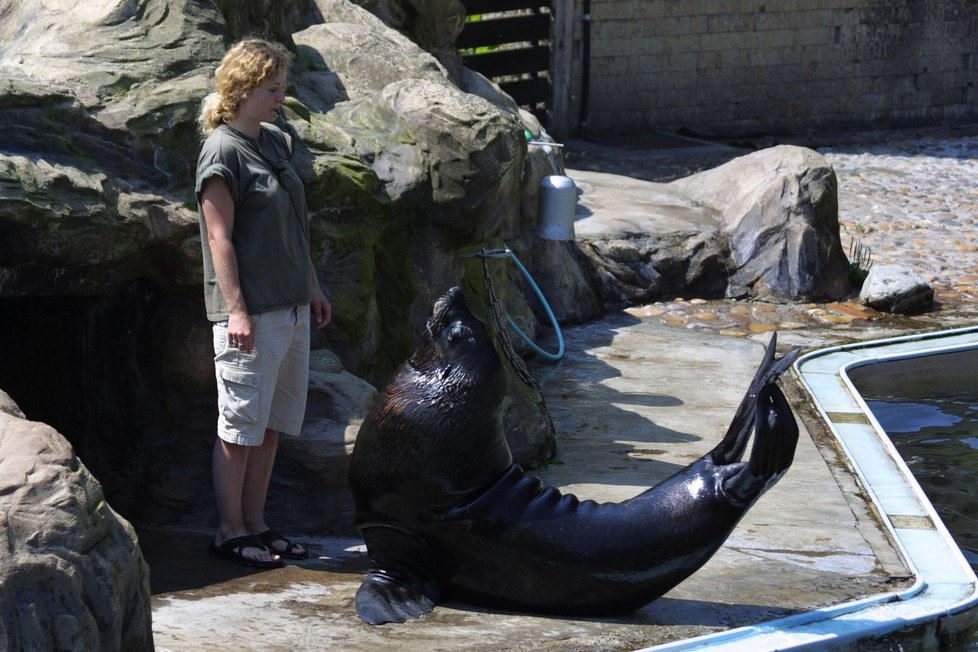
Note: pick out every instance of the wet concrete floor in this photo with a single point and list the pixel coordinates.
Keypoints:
(639, 395)
(633, 401)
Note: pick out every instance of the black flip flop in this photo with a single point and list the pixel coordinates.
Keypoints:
(233, 550)
(291, 549)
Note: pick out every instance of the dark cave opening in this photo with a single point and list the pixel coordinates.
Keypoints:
(126, 379)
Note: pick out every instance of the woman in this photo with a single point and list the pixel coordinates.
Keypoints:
(260, 287)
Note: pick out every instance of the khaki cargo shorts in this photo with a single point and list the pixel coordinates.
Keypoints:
(264, 388)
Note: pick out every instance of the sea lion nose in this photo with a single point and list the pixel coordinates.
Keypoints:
(456, 296)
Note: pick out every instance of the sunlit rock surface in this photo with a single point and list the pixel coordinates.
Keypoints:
(72, 576)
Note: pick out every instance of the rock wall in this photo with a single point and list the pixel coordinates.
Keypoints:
(100, 296)
(409, 160)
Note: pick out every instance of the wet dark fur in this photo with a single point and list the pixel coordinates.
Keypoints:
(445, 513)
(435, 432)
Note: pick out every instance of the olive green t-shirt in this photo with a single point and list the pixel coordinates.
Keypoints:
(271, 224)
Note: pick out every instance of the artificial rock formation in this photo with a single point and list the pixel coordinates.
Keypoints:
(779, 211)
(99, 243)
(648, 241)
(71, 575)
(409, 161)
(763, 225)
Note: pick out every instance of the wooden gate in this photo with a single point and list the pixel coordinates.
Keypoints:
(509, 41)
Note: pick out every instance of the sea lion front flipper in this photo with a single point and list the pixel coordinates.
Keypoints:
(399, 585)
(775, 439)
(384, 599)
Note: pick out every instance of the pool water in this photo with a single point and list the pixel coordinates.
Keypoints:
(937, 436)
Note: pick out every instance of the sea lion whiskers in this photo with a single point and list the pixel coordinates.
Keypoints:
(439, 312)
(436, 321)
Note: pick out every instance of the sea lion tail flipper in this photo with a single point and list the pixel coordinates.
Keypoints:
(734, 442)
(384, 599)
(775, 439)
(781, 365)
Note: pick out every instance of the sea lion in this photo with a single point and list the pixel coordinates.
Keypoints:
(445, 513)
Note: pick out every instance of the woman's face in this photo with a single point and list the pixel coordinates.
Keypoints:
(262, 102)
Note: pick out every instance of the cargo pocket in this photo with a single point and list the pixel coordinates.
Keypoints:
(241, 393)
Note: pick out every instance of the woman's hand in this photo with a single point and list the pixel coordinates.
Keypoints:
(240, 335)
(322, 311)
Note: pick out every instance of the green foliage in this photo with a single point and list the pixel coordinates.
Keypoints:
(860, 260)
(543, 465)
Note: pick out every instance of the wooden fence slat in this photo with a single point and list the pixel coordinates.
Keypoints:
(509, 62)
(522, 72)
(530, 91)
(489, 6)
(534, 27)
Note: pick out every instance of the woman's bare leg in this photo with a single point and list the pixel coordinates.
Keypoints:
(230, 470)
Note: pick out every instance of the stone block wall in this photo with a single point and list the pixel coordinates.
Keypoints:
(735, 67)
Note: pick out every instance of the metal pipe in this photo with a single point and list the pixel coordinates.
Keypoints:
(585, 64)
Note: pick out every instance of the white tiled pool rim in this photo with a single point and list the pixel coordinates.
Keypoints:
(945, 589)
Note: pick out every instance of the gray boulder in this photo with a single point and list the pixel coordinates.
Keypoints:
(358, 59)
(431, 24)
(648, 240)
(763, 225)
(108, 86)
(72, 576)
(780, 214)
(897, 289)
(8, 406)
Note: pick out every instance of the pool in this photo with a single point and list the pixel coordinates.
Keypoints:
(940, 607)
(910, 381)
(929, 408)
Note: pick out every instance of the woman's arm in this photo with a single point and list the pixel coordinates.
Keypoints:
(322, 311)
(218, 209)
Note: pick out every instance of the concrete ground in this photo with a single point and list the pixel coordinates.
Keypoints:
(632, 402)
(639, 395)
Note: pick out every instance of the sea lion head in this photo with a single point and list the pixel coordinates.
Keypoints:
(456, 350)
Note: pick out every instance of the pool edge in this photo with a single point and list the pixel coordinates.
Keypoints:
(943, 598)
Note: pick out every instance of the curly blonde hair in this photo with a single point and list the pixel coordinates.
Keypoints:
(246, 66)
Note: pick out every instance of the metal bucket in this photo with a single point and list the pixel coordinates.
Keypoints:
(558, 203)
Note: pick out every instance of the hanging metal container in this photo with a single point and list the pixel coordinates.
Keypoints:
(558, 203)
